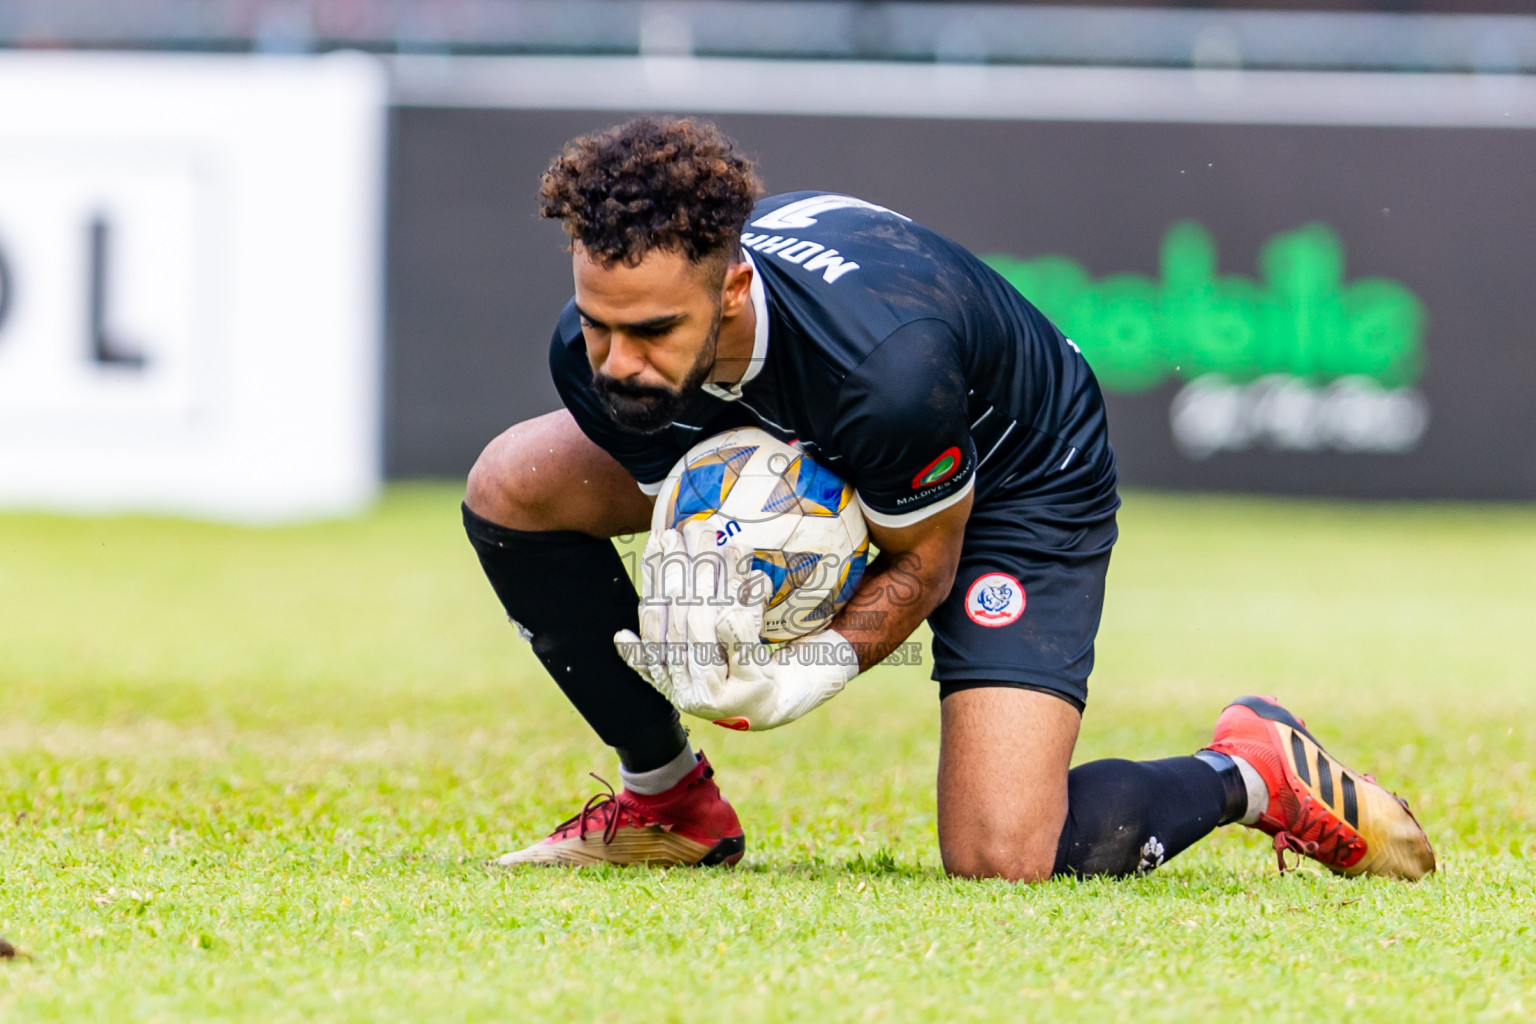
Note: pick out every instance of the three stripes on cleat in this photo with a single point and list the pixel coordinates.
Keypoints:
(1326, 769)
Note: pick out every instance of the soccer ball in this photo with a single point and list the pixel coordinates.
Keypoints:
(798, 517)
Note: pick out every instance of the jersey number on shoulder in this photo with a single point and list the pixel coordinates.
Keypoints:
(802, 213)
(804, 253)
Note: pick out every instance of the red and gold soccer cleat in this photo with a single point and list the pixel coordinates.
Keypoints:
(691, 823)
(1317, 807)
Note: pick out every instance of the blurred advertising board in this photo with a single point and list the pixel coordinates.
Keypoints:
(190, 283)
(1288, 282)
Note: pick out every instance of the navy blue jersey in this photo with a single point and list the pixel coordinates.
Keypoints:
(887, 352)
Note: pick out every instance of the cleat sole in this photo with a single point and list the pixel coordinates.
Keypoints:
(657, 848)
(726, 852)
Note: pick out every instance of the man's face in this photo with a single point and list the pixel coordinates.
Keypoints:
(651, 330)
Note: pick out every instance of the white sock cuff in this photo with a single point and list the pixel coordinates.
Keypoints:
(659, 780)
(1258, 793)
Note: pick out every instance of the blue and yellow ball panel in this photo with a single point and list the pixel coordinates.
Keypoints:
(705, 483)
(853, 571)
(809, 489)
(786, 571)
(847, 582)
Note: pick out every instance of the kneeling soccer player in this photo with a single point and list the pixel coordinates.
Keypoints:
(974, 434)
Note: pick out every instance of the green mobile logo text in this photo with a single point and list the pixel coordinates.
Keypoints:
(1300, 318)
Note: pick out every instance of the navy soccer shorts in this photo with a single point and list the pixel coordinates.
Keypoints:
(1029, 592)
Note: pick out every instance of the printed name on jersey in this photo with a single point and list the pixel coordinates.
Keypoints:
(810, 256)
(995, 599)
(939, 470)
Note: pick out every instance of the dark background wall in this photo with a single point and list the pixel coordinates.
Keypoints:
(475, 280)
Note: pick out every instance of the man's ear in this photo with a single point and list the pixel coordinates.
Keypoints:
(736, 290)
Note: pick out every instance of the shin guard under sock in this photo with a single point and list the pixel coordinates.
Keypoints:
(568, 593)
(1128, 817)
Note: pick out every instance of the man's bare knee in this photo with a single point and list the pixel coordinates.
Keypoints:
(1010, 860)
(545, 474)
(482, 491)
(504, 484)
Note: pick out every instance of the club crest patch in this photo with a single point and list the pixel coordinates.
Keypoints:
(939, 470)
(995, 599)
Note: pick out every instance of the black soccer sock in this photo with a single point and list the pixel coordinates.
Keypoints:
(570, 593)
(1128, 817)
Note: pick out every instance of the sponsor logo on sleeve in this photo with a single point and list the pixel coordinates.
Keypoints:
(995, 599)
(939, 470)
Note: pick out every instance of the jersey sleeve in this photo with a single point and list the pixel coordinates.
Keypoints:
(903, 429)
(647, 457)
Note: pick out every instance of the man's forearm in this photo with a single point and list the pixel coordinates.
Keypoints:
(894, 597)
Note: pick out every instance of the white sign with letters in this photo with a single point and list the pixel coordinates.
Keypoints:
(190, 284)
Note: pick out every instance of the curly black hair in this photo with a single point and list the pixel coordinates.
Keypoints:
(652, 184)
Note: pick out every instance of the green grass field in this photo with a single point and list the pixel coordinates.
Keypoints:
(252, 775)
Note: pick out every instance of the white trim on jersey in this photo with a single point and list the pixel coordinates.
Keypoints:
(993, 450)
(650, 490)
(917, 515)
(731, 392)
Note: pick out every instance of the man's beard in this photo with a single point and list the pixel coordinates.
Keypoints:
(650, 409)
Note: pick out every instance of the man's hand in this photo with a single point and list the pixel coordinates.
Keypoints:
(676, 588)
(701, 646)
(766, 688)
(664, 555)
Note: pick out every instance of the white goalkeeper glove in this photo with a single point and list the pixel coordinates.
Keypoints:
(713, 662)
(672, 579)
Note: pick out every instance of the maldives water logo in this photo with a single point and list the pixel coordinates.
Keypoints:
(1298, 359)
(939, 470)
